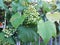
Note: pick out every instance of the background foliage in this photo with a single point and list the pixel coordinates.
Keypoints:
(27, 20)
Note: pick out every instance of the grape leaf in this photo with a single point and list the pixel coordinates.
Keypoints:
(46, 30)
(16, 20)
(55, 16)
(27, 34)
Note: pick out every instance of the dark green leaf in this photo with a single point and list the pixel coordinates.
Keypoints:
(4, 39)
(27, 34)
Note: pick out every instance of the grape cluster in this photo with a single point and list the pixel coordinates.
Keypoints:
(9, 32)
(32, 15)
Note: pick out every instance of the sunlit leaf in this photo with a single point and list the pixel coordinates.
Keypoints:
(54, 16)
(16, 20)
(46, 30)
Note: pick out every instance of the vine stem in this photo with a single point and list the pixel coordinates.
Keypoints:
(4, 21)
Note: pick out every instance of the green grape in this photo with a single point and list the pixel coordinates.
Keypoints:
(33, 15)
(6, 36)
(9, 32)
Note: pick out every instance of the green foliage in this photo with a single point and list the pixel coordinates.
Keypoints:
(9, 32)
(46, 30)
(27, 34)
(46, 7)
(19, 5)
(33, 15)
(25, 20)
(17, 20)
(55, 16)
(4, 40)
(1, 4)
(14, 6)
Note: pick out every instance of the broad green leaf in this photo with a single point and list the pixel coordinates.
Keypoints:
(1, 4)
(55, 16)
(46, 30)
(16, 20)
(27, 34)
